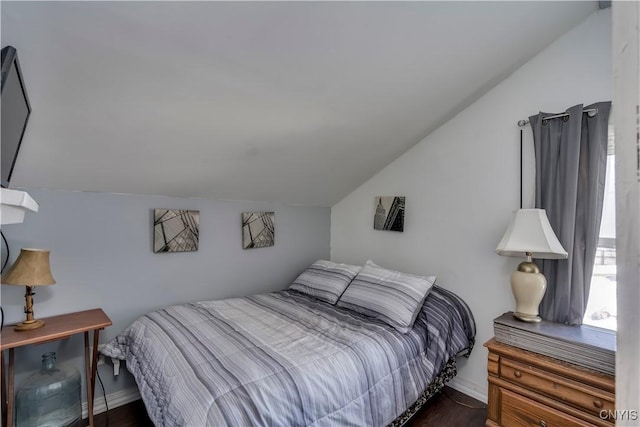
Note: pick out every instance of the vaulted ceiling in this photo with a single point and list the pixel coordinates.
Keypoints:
(291, 102)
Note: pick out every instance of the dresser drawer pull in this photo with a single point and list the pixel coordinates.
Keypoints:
(597, 404)
(543, 424)
(517, 374)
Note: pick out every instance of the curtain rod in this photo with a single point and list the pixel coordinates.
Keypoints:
(590, 111)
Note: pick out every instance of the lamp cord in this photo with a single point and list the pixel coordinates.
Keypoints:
(6, 260)
(104, 394)
(466, 405)
(520, 168)
(4, 264)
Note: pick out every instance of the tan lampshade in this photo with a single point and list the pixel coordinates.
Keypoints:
(530, 232)
(30, 269)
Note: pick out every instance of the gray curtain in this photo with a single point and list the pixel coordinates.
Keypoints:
(571, 159)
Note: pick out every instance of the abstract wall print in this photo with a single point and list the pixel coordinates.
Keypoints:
(258, 229)
(175, 230)
(389, 214)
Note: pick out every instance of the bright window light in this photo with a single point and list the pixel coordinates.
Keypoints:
(601, 307)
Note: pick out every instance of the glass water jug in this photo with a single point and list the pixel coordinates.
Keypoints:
(49, 397)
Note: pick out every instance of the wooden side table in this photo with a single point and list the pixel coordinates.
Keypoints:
(55, 328)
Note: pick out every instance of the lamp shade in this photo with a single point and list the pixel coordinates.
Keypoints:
(530, 232)
(30, 269)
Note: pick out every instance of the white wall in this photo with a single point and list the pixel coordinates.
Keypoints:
(626, 51)
(462, 184)
(102, 256)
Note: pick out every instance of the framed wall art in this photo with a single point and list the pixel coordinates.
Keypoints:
(389, 213)
(258, 229)
(175, 230)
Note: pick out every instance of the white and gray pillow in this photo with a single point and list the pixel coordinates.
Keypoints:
(325, 280)
(391, 296)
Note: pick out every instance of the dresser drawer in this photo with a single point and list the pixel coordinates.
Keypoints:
(518, 411)
(581, 396)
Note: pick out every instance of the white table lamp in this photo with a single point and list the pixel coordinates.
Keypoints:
(529, 234)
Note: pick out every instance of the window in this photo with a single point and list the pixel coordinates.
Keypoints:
(601, 307)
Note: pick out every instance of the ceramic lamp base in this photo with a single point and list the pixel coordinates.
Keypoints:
(528, 290)
(28, 325)
(527, 317)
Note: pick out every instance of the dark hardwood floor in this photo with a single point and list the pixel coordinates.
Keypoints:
(132, 414)
(449, 408)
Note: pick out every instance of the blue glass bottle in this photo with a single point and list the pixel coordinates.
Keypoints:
(49, 397)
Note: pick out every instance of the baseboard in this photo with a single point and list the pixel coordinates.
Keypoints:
(114, 400)
(469, 388)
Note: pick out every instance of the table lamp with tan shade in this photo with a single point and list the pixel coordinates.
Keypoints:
(30, 269)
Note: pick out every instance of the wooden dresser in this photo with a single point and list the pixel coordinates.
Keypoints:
(528, 389)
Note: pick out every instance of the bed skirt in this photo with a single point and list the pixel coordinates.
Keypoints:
(447, 373)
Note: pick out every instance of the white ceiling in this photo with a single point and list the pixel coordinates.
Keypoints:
(292, 102)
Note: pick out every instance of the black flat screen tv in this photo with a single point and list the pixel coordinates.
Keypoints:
(15, 112)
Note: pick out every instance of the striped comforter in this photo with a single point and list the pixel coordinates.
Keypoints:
(286, 359)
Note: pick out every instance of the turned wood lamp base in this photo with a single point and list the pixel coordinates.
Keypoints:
(27, 326)
(30, 323)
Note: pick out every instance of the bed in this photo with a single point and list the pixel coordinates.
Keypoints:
(287, 359)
